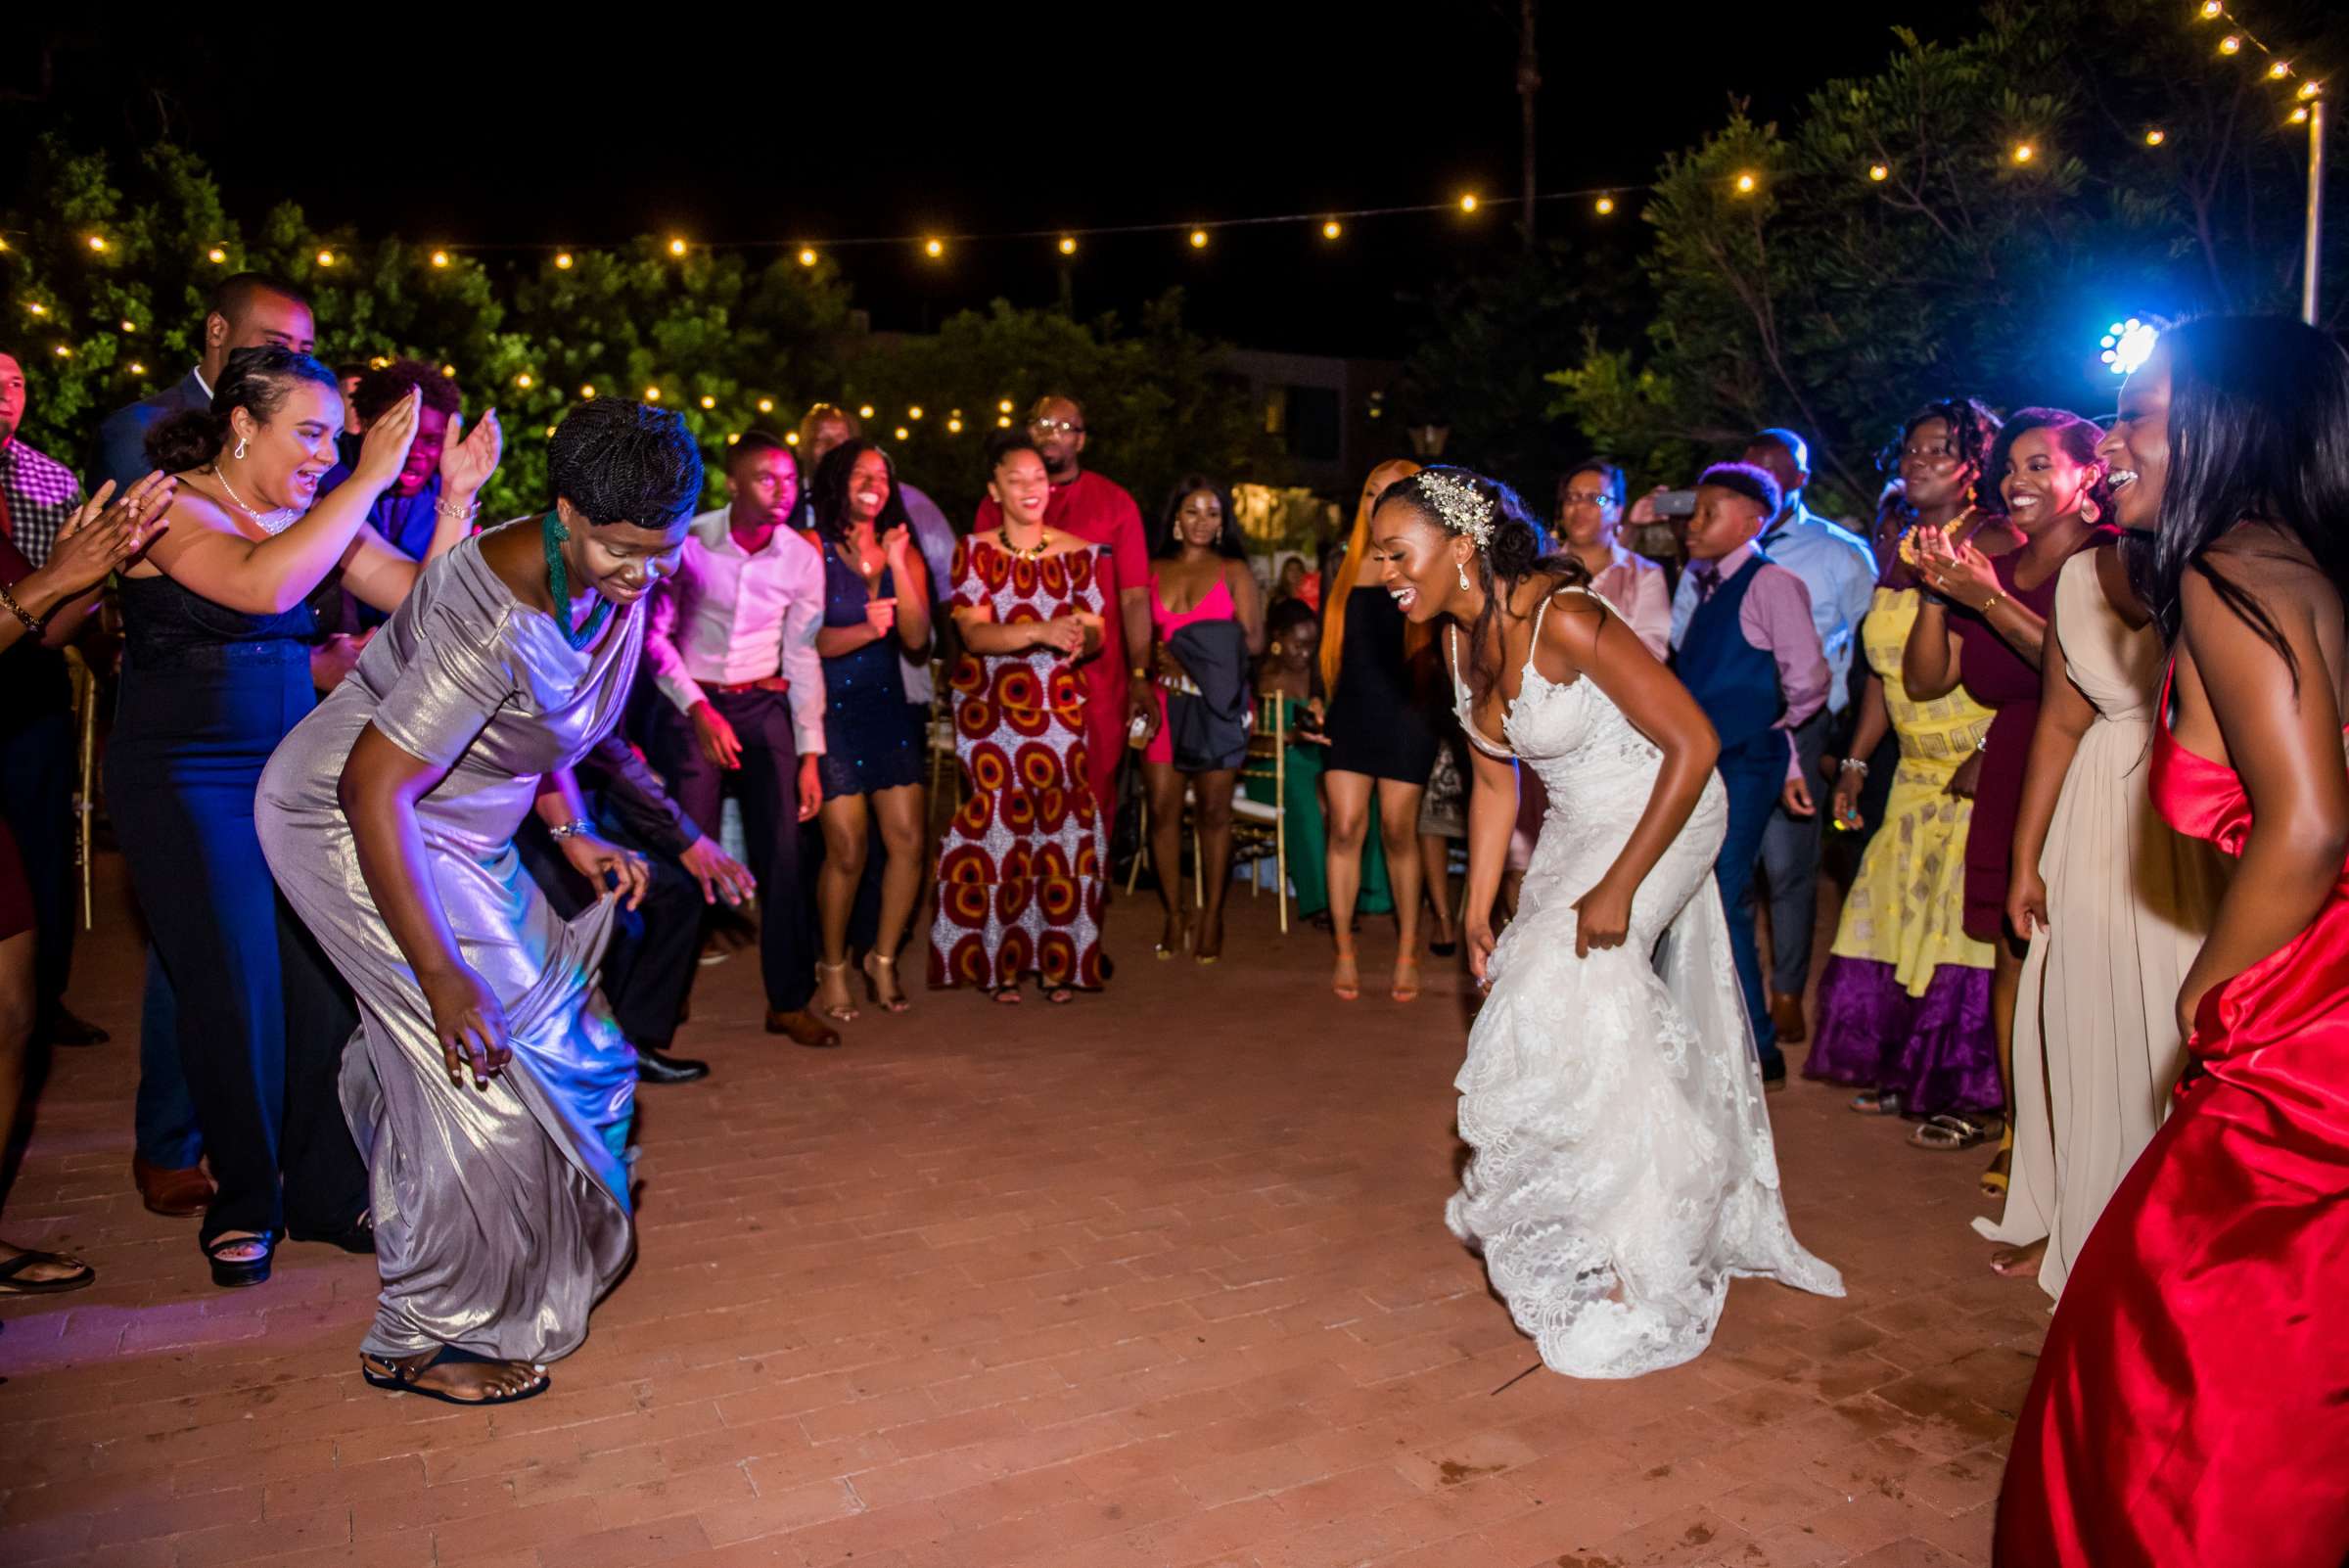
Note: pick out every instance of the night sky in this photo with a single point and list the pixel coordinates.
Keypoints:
(489, 133)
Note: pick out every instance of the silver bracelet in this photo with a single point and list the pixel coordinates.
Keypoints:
(468, 511)
(571, 829)
(1854, 765)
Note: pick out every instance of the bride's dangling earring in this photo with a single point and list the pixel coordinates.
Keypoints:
(1462, 567)
(239, 453)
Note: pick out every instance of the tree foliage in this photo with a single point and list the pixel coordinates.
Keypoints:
(1834, 301)
(731, 342)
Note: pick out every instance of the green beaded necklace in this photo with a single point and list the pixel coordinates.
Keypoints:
(558, 582)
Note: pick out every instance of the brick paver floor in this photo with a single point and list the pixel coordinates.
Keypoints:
(1158, 1278)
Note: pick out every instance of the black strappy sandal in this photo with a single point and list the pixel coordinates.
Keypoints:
(230, 1274)
(13, 1285)
(403, 1377)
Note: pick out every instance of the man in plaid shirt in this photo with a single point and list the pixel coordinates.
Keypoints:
(37, 492)
(37, 750)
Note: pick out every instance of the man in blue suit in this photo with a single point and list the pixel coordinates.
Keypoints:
(250, 310)
(246, 311)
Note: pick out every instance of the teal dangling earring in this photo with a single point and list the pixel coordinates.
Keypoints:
(558, 582)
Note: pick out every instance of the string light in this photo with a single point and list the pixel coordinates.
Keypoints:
(550, 433)
(2280, 70)
(904, 434)
(677, 248)
(1004, 421)
(766, 405)
(1003, 407)
(587, 390)
(523, 380)
(2310, 89)
(1331, 229)
(914, 412)
(2212, 10)
(791, 437)
(2024, 152)
(864, 411)
(806, 256)
(934, 248)
(440, 258)
(1068, 246)
(1468, 202)
(326, 259)
(37, 307)
(652, 394)
(137, 369)
(563, 261)
(953, 427)
(1878, 172)
(2300, 116)
(129, 325)
(215, 256)
(732, 437)
(2155, 137)
(97, 242)
(450, 371)
(378, 362)
(2231, 44)
(1604, 206)
(709, 403)
(64, 352)
(1745, 185)
(1198, 239)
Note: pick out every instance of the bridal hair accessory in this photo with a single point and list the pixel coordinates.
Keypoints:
(1462, 509)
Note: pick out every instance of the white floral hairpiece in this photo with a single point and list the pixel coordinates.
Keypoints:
(1462, 507)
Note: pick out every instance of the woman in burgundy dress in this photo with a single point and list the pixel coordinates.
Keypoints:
(2191, 1405)
(1982, 625)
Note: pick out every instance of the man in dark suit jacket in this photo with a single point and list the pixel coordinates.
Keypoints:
(250, 310)
(246, 311)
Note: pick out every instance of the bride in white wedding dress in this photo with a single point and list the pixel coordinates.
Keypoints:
(1622, 1170)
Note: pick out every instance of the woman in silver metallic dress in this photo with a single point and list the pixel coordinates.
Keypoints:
(489, 1088)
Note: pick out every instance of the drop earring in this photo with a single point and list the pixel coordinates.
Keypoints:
(239, 453)
(2090, 510)
(1462, 568)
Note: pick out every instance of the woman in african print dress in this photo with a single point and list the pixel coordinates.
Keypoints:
(1019, 872)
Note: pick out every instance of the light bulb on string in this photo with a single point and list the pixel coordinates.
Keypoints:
(137, 369)
(448, 372)
(2024, 152)
(708, 401)
(326, 259)
(953, 427)
(440, 258)
(1198, 239)
(2280, 70)
(652, 394)
(523, 380)
(1468, 202)
(904, 434)
(2155, 137)
(1604, 206)
(215, 256)
(2310, 89)
(914, 411)
(1003, 407)
(2212, 10)
(933, 249)
(563, 259)
(37, 307)
(807, 255)
(766, 405)
(587, 390)
(1879, 172)
(129, 325)
(2231, 44)
(791, 437)
(1331, 228)
(1068, 246)
(864, 410)
(97, 242)
(1746, 184)
(2300, 116)
(677, 248)
(732, 437)
(1004, 421)
(64, 352)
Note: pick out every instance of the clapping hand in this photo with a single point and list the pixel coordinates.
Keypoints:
(99, 537)
(469, 457)
(1957, 572)
(384, 451)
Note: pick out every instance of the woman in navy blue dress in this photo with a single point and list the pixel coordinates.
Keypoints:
(876, 602)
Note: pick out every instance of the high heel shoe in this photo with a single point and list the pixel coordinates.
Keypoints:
(894, 1000)
(1406, 980)
(839, 1015)
(1347, 979)
(1184, 935)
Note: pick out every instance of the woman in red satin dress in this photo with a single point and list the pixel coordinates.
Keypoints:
(2191, 1405)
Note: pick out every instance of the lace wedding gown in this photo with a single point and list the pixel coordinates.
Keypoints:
(1623, 1170)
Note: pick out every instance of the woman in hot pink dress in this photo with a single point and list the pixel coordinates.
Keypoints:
(1200, 655)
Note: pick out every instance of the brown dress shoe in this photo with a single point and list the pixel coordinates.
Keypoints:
(804, 1028)
(1786, 1013)
(176, 1194)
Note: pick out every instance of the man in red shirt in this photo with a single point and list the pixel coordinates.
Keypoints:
(1099, 512)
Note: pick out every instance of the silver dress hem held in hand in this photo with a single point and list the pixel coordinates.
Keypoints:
(501, 1216)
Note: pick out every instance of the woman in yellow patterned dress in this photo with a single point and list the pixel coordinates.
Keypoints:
(1904, 1005)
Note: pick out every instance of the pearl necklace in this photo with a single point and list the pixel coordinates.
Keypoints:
(276, 523)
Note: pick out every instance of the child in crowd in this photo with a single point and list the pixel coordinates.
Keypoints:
(1752, 659)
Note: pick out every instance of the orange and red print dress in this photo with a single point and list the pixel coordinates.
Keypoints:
(2191, 1405)
(1019, 873)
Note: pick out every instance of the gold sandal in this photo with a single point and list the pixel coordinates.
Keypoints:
(887, 1004)
(839, 1015)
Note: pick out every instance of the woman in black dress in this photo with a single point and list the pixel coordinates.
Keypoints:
(1381, 743)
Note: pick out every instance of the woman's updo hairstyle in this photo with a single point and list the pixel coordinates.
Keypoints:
(1511, 546)
(2077, 436)
(256, 380)
(617, 461)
